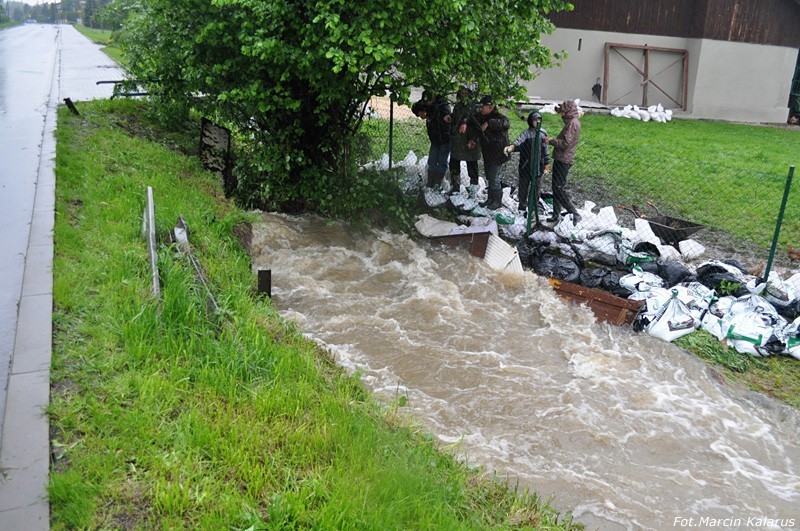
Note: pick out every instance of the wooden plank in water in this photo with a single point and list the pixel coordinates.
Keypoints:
(606, 307)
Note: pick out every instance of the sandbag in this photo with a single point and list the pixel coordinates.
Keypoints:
(461, 203)
(696, 297)
(712, 320)
(758, 308)
(433, 198)
(791, 338)
(747, 334)
(779, 293)
(674, 320)
(627, 256)
(639, 280)
(431, 227)
(601, 247)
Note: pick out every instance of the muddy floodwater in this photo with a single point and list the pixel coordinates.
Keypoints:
(624, 430)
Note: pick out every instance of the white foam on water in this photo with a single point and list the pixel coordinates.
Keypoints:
(625, 430)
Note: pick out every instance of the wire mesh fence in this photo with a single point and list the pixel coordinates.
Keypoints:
(638, 207)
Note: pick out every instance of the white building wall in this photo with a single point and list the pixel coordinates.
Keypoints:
(743, 82)
(726, 80)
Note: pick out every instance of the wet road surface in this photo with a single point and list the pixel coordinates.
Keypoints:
(40, 65)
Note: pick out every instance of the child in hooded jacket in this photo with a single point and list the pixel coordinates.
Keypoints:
(564, 146)
(525, 144)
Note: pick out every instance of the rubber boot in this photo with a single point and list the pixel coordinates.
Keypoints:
(434, 180)
(556, 215)
(495, 199)
(455, 183)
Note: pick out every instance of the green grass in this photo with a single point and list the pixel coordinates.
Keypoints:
(164, 416)
(104, 38)
(775, 376)
(729, 177)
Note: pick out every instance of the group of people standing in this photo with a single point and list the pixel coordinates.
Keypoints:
(470, 132)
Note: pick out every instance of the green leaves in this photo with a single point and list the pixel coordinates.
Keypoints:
(314, 64)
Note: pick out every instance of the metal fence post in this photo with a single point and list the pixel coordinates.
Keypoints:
(391, 128)
(780, 222)
(533, 196)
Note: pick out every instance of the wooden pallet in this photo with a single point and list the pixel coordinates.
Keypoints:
(606, 307)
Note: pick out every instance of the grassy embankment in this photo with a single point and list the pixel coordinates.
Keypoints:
(106, 39)
(163, 416)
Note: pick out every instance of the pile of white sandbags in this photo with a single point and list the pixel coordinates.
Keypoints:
(550, 108)
(656, 113)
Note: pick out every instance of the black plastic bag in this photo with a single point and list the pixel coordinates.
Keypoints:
(648, 248)
(674, 273)
(527, 253)
(554, 267)
(724, 280)
(790, 312)
(735, 263)
(649, 267)
(724, 284)
(593, 277)
(605, 279)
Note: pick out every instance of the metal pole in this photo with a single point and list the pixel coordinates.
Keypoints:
(779, 222)
(391, 128)
(536, 149)
(646, 83)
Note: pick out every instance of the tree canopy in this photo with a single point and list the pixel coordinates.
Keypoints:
(297, 74)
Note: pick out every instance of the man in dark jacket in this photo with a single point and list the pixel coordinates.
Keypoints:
(563, 156)
(436, 112)
(463, 146)
(493, 133)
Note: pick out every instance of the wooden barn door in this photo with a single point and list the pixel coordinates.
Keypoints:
(645, 75)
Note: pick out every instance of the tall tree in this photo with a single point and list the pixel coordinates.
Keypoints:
(89, 9)
(111, 14)
(297, 74)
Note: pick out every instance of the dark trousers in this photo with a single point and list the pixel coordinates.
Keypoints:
(525, 186)
(455, 172)
(437, 163)
(560, 196)
(492, 171)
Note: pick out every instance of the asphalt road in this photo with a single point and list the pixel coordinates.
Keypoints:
(40, 65)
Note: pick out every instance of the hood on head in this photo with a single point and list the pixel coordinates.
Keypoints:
(569, 107)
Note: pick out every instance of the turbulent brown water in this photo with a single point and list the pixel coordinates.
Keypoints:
(624, 430)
